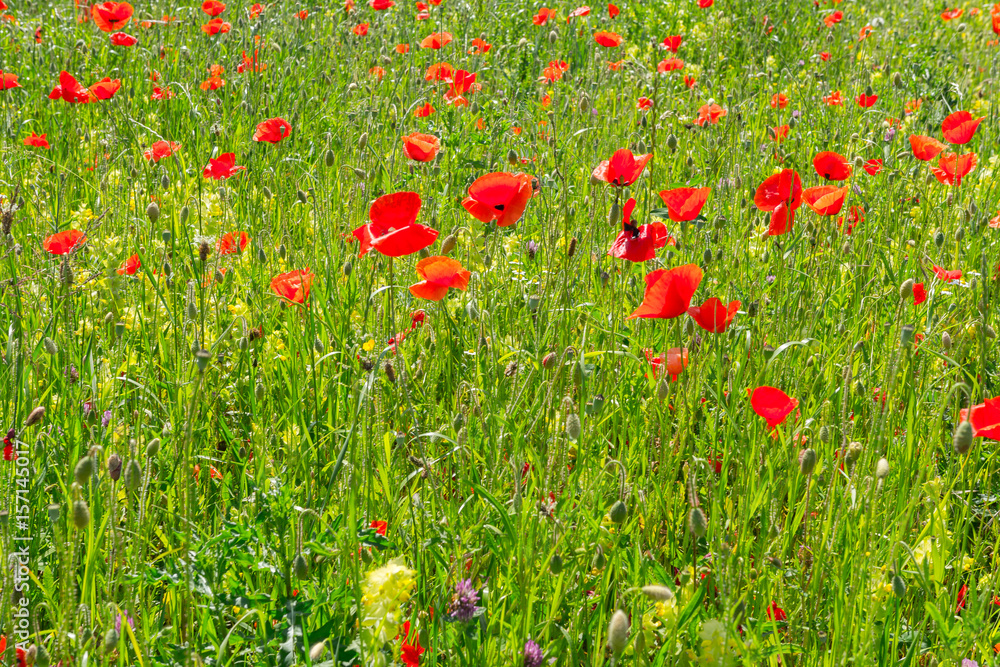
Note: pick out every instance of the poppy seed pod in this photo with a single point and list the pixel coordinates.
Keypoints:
(658, 593)
(81, 514)
(303, 198)
(807, 461)
(598, 561)
(906, 290)
(153, 211)
(573, 427)
(331, 158)
(84, 469)
(882, 469)
(114, 467)
(662, 389)
(34, 416)
(898, 586)
(555, 564)
(618, 630)
(939, 239)
(672, 142)
(553, 37)
(111, 638)
(448, 244)
(853, 452)
(824, 434)
(962, 441)
(697, 522)
(50, 346)
(153, 447)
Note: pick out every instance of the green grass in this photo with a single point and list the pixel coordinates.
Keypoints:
(458, 437)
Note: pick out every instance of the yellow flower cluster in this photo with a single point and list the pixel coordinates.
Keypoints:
(387, 589)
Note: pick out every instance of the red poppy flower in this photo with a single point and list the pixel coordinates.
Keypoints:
(20, 655)
(424, 111)
(69, 90)
(779, 101)
(436, 40)
(301, 15)
(231, 244)
(211, 83)
(780, 133)
(866, 101)
(272, 130)
(710, 113)
(689, 81)
(251, 64)
(832, 166)
(8, 80)
(953, 168)
(256, 10)
(360, 30)
(461, 82)
(945, 275)
(985, 418)
(160, 150)
(960, 127)
(293, 285)
(705, 4)
(36, 141)
(925, 148)
(684, 204)
(669, 65)
(622, 169)
(221, 167)
(873, 166)
(644, 103)
(554, 71)
(213, 7)
(672, 43)
(781, 195)
(579, 11)
(674, 362)
(421, 147)
(776, 613)
(607, 39)
(64, 242)
(111, 16)
(833, 19)
(381, 527)
(950, 14)
(105, 89)
(543, 15)
(919, 294)
(825, 199)
(834, 99)
(410, 653)
(215, 26)
(668, 292)
(130, 266)
(439, 72)
(393, 229)
(772, 404)
(638, 243)
(402, 49)
(121, 39)
(613, 11)
(499, 196)
(161, 94)
(713, 315)
(479, 47)
(438, 274)
(824, 56)
(381, 5)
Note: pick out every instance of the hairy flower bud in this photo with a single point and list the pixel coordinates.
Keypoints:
(618, 630)
(962, 441)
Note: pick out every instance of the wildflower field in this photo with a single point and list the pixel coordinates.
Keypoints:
(493, 334)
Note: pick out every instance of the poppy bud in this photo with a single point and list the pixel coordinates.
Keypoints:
(752, 309)
(897, 80)
(584, 104)
(512, 157)
(111, 640)
(792, 122)
(618, 512)
(243, 343)
(898, 586)
(988, 331)
(962, 441)
(615, 215)
(549, 361)
(618, 630)
(946, 341)
(360, 173)
(153, 447)
(41, 655)
(185, 214)
(824, 434)
(258, 392)
(662, 389)
(598, 561)
(317, 651)
(114, 467)
(906, 290)
(81, 514)
(331, 158)
(959, 234)
(553, 36)
(164, 181)
(301, 567)
(690, 161)
(261, 255)
(706, 256)
(672, 142)
(882, 469)
(133, 475)
(807, 461)
(448, 244)
(868, 91)
(906, 335)
(573, 427)
(192, 311)
(390, 372)
(84, 469)
(318, 346)
(555, 564)
(605, 278)
(423, 253)
(658, 593)
(853, 452)
(219, 276)
(939, 239)
(697, 522)
(34, 416)
(50, 346)
(362, 141)
(202, 357)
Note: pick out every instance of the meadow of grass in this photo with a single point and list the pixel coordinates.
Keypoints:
(236, 435)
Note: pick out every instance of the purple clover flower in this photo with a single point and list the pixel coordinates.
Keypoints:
(463, 602)
(532, 654)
